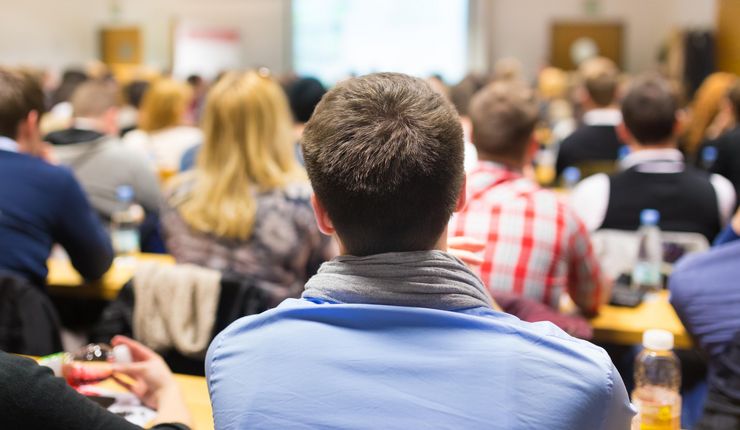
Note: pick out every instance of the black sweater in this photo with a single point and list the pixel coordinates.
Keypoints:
(32, 398)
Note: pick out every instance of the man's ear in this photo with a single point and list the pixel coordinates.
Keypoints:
(28, 134)
(462, 198)
(682, 120)
(322, 217)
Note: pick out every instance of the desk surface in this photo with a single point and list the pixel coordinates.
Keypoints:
(618, 325)
(195, 391)
(64, 280)
(625, 326)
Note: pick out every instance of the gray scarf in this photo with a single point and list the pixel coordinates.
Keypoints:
(425, 279)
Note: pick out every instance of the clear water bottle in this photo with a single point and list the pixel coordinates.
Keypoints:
(646, 273)
(571, 176)
(657, 384)
(125, 224)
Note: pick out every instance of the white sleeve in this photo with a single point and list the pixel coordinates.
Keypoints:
(619, 411)
(590, 200)
(725, 197)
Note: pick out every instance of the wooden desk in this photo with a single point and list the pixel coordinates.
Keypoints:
(64, 280)
(195, 391)
(625, 326)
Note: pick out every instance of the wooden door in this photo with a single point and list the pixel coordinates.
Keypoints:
(607, 36)
(728, 36)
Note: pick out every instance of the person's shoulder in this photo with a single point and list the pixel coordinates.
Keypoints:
(595, 183)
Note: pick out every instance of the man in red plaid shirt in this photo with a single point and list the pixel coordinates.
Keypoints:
(536, 246)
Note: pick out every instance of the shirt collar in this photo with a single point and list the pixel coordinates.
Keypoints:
(8, 144)
(670, 159)
(603, 117)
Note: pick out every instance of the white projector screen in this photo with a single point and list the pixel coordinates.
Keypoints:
(335, 39)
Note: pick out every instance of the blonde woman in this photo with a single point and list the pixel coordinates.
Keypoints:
(245, 207)
(163, 132)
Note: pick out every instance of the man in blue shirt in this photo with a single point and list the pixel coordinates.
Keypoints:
(397, 333)
(40, 204)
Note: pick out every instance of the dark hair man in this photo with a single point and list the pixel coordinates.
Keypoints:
(596, 139)
(397, 333)
(536, 246)
(654, 174)
(40, 205)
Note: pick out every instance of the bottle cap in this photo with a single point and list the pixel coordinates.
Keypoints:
(624, 151)
(649, 217)
(571, 175)
(657, 340)
(122, 354)
(709, 154)
(125, 193)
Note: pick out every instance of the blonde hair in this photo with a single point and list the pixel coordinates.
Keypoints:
(706, 105)
(164, 105)
(248, 148)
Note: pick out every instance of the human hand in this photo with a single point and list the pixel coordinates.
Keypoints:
(466, 249)
(151, 377)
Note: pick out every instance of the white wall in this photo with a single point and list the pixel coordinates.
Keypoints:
(521, 28)
(55, 33)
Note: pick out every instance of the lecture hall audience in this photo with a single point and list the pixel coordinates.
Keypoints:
(596, 139)
(536, 246)
(92, 150)
(40, 204)
(395, 324)
(654, 175)
(245, 206)
(164, 133)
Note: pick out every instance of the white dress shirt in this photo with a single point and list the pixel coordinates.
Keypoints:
(590, 198)
(8, 144)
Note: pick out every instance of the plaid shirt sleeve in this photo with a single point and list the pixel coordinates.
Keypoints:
(586, 283)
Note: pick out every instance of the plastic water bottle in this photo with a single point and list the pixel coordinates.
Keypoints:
(124, 224)
(571, 176)
(657, 383)
(646, 273)
(708, 157)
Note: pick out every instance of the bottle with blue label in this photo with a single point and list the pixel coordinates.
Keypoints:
(124, 224)
(708, 157)
(646, 273)
(571, 176)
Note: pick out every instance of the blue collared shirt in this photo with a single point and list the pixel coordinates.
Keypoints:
(310, 364)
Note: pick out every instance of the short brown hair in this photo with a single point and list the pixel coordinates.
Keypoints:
(601, 79)
(462, 93)
(384, 153)
(649, 109)
(20, 93)
(504, 115)
(93, 98)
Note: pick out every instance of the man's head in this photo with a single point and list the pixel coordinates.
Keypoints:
(21, 105)
(649, 113)
(504, 115)
(97, 100)
(384, 153)
(600, 81)
(304, 94)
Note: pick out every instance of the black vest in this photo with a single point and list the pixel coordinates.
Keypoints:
(686, 201)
